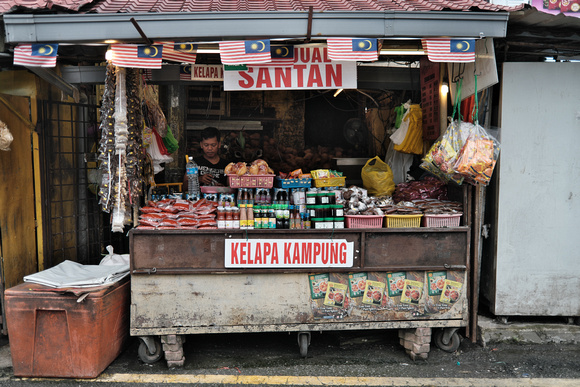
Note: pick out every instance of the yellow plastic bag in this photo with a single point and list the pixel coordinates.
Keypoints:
(413, 142)
(377, 177)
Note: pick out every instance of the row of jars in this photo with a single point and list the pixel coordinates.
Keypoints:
(280, 216)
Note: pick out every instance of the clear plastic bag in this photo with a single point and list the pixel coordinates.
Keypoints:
(478, 156)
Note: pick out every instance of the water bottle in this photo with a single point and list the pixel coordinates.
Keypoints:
(192, 171)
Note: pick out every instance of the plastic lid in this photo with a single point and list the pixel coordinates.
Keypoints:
(316, 219)
(339, 219)
(329, 219)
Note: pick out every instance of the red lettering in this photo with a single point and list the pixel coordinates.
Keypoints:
(263, 78)
(314, 77)
(267, 251)
(334, 253)
(333, 77)
(325, 54)
(258, 257)
(296, 256)
(307, 253)
(287, 252)
(250, 261)
(342, 253)
(234, 253)
(249, 81)
(300, 74)
(305, 55)
(243, 252)
(283, 75)
(195, 72)
(325, 253)
(274, 253)
(316, 57)
(317, 250)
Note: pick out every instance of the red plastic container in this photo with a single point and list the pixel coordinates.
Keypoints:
(53, 335)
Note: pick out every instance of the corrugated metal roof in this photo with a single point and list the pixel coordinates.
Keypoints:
(164, 6)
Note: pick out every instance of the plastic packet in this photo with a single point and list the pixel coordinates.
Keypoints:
(478, 156)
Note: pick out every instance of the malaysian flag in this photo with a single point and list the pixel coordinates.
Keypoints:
(185, 72)
(179, 52)
(140, 56)
(353, 49)
(450, 50)
(282, 56)
(36, 55)
(245, 52)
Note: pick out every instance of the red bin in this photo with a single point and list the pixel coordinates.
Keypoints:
(53, 335)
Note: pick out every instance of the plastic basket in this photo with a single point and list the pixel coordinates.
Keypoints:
(293, 183)
(251, 181)
(403, 221)
(364, 221)
(442, 220)
(331, 182)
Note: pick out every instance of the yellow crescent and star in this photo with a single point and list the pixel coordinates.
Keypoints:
(459, 45)
(47, 50)
(255, 46)
(363, 45)
(282, 51)
(151, 51)
(186, 47)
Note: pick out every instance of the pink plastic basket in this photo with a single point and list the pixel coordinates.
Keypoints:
(364, 221)
(251, 181)
(441, 220)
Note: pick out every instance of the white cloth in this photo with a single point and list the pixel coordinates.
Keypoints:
(72, 274)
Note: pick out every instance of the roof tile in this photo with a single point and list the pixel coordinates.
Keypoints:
(161, 6)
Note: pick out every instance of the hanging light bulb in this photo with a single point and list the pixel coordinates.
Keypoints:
(444, 88)
(337, 92)
(109, 55)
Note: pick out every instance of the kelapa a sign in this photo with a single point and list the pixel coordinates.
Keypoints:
(295, 253)
(204, 72)
(310, 69)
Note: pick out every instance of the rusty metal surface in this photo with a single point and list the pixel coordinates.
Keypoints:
(428, 249)
(181, 252)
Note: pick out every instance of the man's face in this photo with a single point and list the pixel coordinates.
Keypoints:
(210, 146)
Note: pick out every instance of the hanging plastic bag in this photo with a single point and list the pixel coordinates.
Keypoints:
(401, 124)
(413, 142)
(377, 177)
(170, 142)
(478, 156)
(440, 159)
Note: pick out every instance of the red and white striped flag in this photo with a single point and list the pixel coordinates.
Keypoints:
(179, 52)
(245, 52)
(449, 50)
(282, 56)
(185, 72)
(139, 56)
(351, 49)
(36, 55)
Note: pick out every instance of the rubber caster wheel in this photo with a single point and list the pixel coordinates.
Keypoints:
(146, 356)
(303, 343)
(451, 346)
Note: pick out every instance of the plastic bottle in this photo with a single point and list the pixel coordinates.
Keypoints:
(192, 171)
(250, 217)
(243, 218)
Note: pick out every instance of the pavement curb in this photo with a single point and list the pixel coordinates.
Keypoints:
(490, 331)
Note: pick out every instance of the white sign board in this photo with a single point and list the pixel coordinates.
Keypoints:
(311, 69)
(203, 72)
(294, 253)
(484, 66)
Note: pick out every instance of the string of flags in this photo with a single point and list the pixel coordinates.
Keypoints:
(258, 52)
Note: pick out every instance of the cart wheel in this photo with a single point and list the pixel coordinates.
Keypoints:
(452, 345)
(147, 357)
(304, 342)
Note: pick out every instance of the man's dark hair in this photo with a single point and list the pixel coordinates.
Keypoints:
(210, 132)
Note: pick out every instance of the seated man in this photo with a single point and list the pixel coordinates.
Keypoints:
(211, 165)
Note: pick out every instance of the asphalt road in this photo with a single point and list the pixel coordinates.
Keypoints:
(361, 358)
